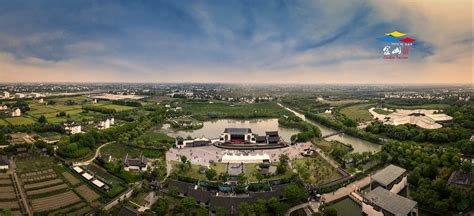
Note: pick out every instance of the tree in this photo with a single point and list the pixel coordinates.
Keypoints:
(210, 174)
(173, 191)
(466, 167)
(188, 202)
(293, 193)
(241, 178)
(42, 119)
(224, 177)
(246, 209)
(160, 207)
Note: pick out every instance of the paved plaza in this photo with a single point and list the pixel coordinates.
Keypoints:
(202, 155)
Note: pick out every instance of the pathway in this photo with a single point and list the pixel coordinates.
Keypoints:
(22, 195)
(97, 153)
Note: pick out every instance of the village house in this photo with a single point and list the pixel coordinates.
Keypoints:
(3, 107)
(106, 124)
(5, 94)
(4, 162)
(72, 128)
(16, 112)
(135, 164)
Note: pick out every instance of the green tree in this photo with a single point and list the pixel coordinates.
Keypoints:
(188, 202)
(293, 193)
(160, 207)
(42, 119)
(211, 174)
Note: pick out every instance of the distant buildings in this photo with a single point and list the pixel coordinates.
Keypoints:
(3, 107)
(5, 94)
(16, 112)
(72, 128)
(135, 164)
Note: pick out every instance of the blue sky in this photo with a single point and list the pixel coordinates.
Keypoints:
(231, 41)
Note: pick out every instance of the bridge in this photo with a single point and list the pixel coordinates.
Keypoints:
(332, 134)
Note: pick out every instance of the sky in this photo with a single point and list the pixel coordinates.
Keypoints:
(271, 41)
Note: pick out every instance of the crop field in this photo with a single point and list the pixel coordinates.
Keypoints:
(4, 189)
(8, 196)
(3, 122)
(9, 205)
(55, 201)
(19, 120)
(88, 194)
(38, 176)
(46, 189)
(359, 112)
(71, 179)
(42, 184)
(206, 111)
(382, 112)
(24, 166)
(117, 108)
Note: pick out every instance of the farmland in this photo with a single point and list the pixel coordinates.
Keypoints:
(8, 195)
(51, 189)
(358, 112)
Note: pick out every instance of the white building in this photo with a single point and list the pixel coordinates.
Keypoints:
(16, 112)
(422, 118)
(19, 95)
(72, 128)
(3, 107)
(106, 124)
(41, 100)
(5, 94)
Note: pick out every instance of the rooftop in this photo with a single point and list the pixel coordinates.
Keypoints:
(390, 202)
(238, 131)
(388, 174)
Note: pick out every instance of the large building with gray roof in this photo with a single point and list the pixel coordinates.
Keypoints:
(381, 202)
(392, 178)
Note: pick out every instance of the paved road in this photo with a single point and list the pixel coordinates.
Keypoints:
(22, 195)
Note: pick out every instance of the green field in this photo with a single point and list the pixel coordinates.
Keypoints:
(3, 122)
(382, 112)
(117, 108)
(342, 102)
(315, 170)
(34, 164)
(359, 112)
(206, 111)
(424, 106)
(19, 120)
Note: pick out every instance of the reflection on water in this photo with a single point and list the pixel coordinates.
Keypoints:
(213, 129)
(359, 145)
(347, 207)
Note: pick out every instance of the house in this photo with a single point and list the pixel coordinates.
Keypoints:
(272, 137)
(19, 95)
(128, 211)
(392, 178)
(5, 94)
(106, 124)
(4, 162)
(135, 164)
(181, 142)
(3, 107)
(72, 128)
(40, 100)
(237, 136)
(380, 202)
(16, 112)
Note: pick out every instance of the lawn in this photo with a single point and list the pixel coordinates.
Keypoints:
(342, 102)
(382, 112)
(359, 112)
(315, 170)
(19, 120)
(205, 111)
(3, 122)
(118, 151)
(424, 106)
(117, 108)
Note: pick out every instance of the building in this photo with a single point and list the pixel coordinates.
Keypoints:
(72, 128)
(16, 112)
(40, 100)
(238, 136)
(3, 107)
(135, 164)
(19, 95)
(106, 124)
(392, 178)
(4, 162)
(181, 142)
(128, 211)
(422, 118)
(272, 137)
(5, 94)
(381, 202)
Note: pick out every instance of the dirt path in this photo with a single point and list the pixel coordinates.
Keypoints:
(97, 153)
(22, 195)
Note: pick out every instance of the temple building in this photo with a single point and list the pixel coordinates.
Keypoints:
(238, 136)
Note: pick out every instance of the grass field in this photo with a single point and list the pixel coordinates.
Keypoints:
(383, 112)
(315, 170)
(3, 122)
(358, 112)
(342, 102)
(117, 108)
(35, 164)
(206, 111)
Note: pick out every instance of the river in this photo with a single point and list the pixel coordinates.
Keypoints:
(358, 144)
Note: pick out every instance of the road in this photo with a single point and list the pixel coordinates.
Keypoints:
(22, 195)
(97, 153)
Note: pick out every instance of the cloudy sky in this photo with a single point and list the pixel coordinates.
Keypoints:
(233, 41)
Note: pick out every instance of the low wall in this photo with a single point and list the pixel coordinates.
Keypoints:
(125, 195)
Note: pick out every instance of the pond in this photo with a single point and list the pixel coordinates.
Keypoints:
(347, 207)
(359, 145)
(213, 129)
